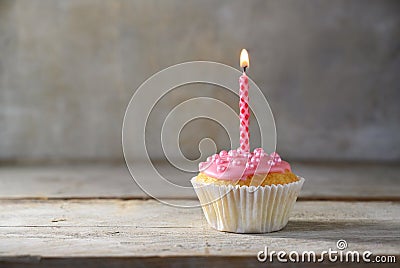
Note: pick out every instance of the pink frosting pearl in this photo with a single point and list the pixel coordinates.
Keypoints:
(236, 164)
(233, 153)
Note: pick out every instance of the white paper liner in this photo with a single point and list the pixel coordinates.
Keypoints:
(244, 209)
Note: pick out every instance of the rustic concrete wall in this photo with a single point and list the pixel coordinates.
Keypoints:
(330, 70)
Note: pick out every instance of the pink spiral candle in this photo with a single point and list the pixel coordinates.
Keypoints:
(244, 113)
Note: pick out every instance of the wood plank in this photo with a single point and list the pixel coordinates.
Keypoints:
(323, 181)
(175, 262)
(147, 228)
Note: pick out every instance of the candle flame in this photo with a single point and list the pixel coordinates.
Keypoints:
(244, 59)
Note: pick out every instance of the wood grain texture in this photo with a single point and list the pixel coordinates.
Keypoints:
(323, 181)
(175, 262)
(147, 228)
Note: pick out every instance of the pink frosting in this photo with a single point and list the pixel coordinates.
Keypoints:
(235, 164)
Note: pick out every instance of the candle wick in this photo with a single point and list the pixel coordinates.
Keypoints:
(244, 68)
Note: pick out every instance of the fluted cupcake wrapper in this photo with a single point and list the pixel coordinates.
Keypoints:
(244, 209)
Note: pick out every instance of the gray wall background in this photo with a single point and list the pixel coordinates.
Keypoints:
(330, 70)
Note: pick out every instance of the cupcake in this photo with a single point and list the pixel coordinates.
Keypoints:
(246, 192)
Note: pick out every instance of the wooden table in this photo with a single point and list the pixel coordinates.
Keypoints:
(95, 215)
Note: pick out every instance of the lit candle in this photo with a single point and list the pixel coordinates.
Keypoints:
(244, 103)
